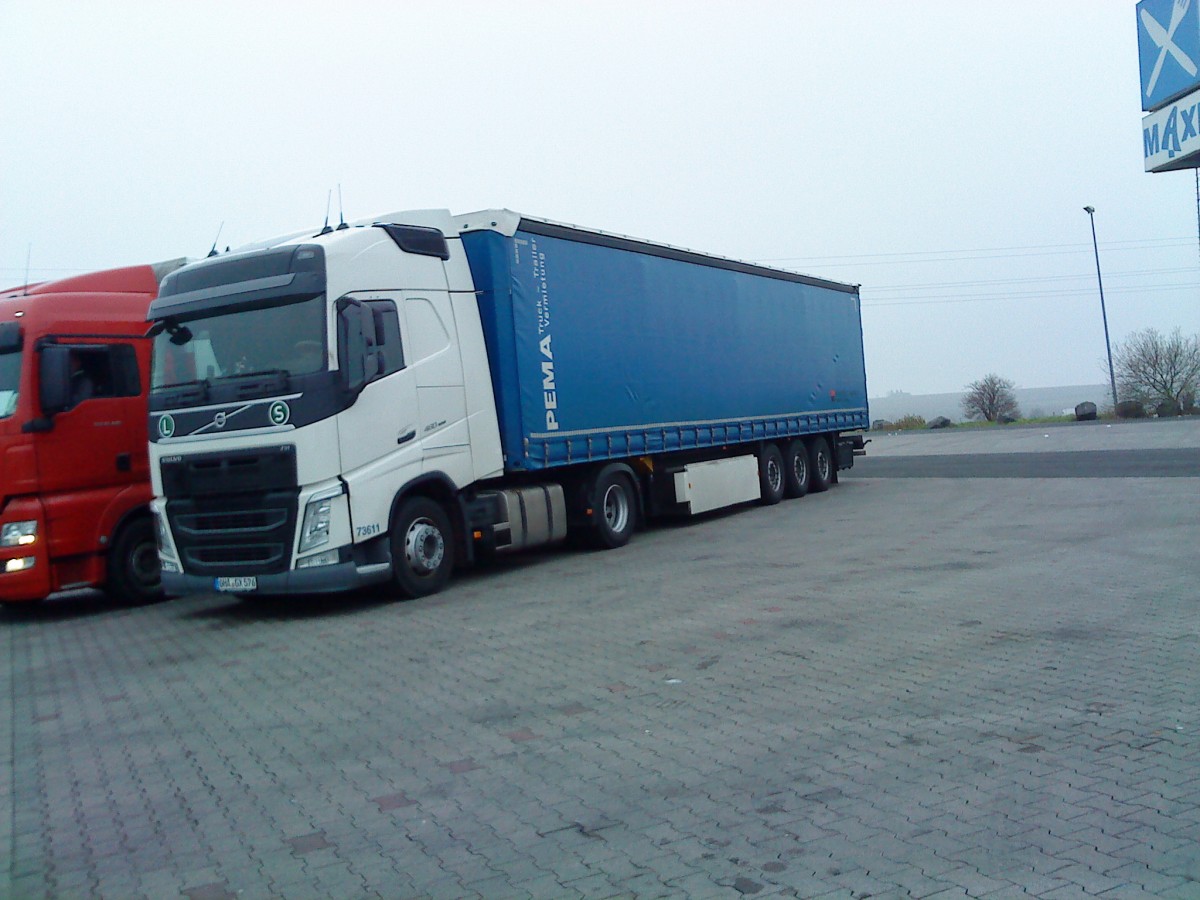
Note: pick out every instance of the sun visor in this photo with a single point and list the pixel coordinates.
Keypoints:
(255, 279)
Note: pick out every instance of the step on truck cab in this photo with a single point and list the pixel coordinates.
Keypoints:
(74, 471)
(385, 401)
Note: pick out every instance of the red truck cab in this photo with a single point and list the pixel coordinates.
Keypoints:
(74, 473)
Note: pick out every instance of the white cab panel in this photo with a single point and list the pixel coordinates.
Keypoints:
(431, 339)
(483, 427)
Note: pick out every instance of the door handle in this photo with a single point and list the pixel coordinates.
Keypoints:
(405, 438)
(124, 463)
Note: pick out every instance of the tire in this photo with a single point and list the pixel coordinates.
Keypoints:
(614, 506)
(820, 465)
(771, 477)
(422, 547)
(795, 470)
(133, 572)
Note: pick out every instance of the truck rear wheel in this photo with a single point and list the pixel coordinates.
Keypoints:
(422, 547)
(614, 510)
(795, 469)
(770, 475)
(133, 571)
(820, 465)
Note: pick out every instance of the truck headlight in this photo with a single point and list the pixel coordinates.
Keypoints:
(315, 530)
(18, 534)
(164, 537)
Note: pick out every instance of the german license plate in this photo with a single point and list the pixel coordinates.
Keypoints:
(237, 584)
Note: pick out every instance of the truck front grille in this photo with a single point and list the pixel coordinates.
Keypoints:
(238, 556)
(234, 512)
(246, 522)
(242, 534)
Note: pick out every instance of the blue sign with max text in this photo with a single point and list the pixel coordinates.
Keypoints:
(1169, 49)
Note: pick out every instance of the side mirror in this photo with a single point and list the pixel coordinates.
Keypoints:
(356, 333)
(55, 377)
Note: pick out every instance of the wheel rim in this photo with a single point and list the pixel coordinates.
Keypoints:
(143, 565)
(799, 468)
(424, 547)
(823, 464)
(616, 508)
(774, 475)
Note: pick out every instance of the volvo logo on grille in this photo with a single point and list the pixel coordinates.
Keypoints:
(220, 419)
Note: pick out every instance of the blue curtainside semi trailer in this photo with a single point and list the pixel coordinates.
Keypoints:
(604, 347)
(391, 399)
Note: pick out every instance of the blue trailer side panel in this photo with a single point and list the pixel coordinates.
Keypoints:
(600, 351)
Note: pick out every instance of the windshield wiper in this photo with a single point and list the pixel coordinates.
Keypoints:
(251, 385)
(183, 392)
(263, 373)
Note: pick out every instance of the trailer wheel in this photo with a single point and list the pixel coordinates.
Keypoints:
(614, 510)
(795, 470)
(820, 465)
(422, 547)
(133, 571)
(770, 475)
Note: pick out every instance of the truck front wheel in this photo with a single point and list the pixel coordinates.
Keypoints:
(422, 547)
(614, 510)
(133, 572)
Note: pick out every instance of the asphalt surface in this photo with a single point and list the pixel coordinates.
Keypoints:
(907, 686)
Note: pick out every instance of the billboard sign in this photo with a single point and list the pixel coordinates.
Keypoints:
(1171, 135)
(1168, 50)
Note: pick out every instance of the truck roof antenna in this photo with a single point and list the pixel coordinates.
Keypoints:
(342, 226)
(213, 251)
(325, 229)
(28, 253)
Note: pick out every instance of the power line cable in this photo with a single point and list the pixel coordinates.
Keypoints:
(941, 285)
(1145, 243)
(1025, 295)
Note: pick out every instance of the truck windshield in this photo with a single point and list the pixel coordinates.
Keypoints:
(10, 382)
(288, 339)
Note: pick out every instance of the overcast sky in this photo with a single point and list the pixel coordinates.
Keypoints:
(938, 153)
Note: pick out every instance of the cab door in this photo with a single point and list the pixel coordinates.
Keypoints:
(378, 435)
(95, 448)
(382, 425)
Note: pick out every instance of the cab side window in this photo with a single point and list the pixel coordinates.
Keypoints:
(110, 370)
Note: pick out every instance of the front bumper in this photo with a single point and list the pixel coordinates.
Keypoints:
(318, 580)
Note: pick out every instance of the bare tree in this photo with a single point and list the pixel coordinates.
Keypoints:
(1154, 368)
(990, 398)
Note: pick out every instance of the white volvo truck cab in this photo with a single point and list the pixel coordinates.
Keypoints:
(317, 407)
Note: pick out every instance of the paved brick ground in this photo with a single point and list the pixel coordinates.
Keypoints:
(904, 687)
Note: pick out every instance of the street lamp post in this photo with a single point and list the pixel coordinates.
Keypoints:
(1112, 378)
